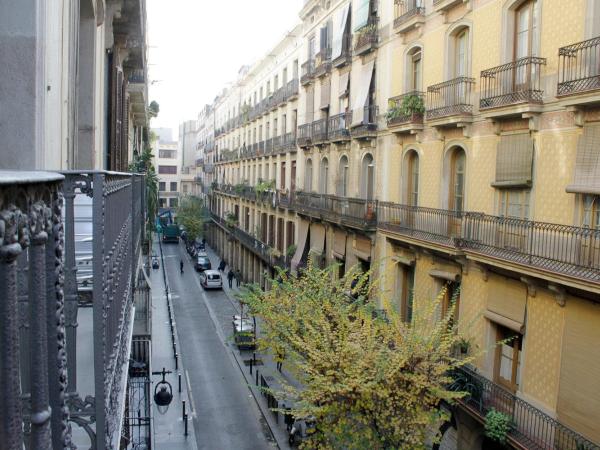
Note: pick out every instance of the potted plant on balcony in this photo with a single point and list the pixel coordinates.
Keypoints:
(231, 221)
(411, 107)
(497, 427)
(240, 188)
(263, 187)
(362, 33)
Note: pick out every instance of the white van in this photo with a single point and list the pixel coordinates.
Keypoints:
(211, 279)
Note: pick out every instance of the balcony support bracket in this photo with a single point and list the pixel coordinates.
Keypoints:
(534, 121)
(578, 115)
(531, 287)
(559, 294)
(466, 129)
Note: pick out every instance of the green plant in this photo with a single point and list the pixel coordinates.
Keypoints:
(264, 186)
(231, 220)
(497, 425)
(290, 251)
(240, 187)
(410, 104)
(367, 29)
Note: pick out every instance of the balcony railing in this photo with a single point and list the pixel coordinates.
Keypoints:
(516, 82)
(39, 358)
(352, 212)
(304, 135)
(269, 146)
(569, 250)
(531, 428)
(292, 89)
(289, 142)
(450, 98)
(277, 144)
(397, 117)
(323, 62)
(404, 10)
(346, 56)
(366, 38)
(368, 127)
(307, 71)
(319, 131)
(137, 76)
(579, 67)
(339, 127)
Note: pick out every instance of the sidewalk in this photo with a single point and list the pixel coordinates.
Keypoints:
(267, 370)
(168, 428)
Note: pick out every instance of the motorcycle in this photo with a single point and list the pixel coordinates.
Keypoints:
(300, 430)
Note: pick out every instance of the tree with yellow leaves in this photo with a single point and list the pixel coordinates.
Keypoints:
(369, 379)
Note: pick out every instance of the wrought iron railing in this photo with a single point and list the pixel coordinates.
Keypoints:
(339, 127)
(516, 82)
(304, 135)
(353, 212)
(405, 10)
(366, 38)
(277, 144)
(269, 146)
(323, 62)
(564, 249)
(368, 125)
(579, 67)
(289, 141)
(346, 56)
(531, 428)
(292, 89)
(319, 131)
(39, 313)
(307, 71)
(450, 98)
(397, 116)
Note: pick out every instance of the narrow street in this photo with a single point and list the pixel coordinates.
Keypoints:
(225, 414)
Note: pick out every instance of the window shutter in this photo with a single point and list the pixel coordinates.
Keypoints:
(323, 42)
(310, 104)
(359, 110)
(587, 164)
(344, 84)
(361, 14)
(325, 93)
(514, 161)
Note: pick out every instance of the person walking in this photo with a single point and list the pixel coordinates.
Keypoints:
(222, 265)
(181, 265)
(230, 276)
(238, 277)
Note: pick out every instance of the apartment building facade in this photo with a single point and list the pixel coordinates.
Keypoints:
(445, 144)
(168, 164)
(187, 146)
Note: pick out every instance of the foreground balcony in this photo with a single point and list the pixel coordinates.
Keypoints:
(578, 70)
(291, 90)
(352, 212)
(307, 71)
(367, 38)
(346, 56)
(532, 428)
(339, 127)
(450, 101)
(405, 113)
(323, 62)
(548, 247)
(304, 139)
(368, 126)
(408, 14)
(319, 131)
(518, 82)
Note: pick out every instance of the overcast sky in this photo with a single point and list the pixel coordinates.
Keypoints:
(197, 46)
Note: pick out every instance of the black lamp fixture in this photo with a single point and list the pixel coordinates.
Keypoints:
(163, 397)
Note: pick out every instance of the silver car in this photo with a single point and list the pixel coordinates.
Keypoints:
(211, 279)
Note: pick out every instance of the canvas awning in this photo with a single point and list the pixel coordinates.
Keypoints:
(310, 104)
(587, 163)
(339, 26)
(317, 239)
(506, 303)
(325, 93)
(339, 244)
(359, 113)
(344, 84)
(361, 14)
(302, 238)
(514, 161)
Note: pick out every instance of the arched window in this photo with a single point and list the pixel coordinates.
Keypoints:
(324, 176)
(308, 176)
(457, 179)
(461, 53)
(526, 24)
(414, 69)
(368, 177)
(411, 175)
(343, 171)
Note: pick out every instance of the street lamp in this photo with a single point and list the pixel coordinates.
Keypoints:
(163, 397)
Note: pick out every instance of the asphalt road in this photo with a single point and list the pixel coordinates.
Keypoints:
(226, 415)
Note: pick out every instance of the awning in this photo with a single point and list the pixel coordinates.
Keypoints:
(587, 164)
(445, 275)
(361, 14)
(310, 104)
(317, 239)
(302, 237)
(514, 161)
(339, 26)
(344, 85)
(362, 93)
(506, 302)
(362, 247)
(339, 244)
(325, 93)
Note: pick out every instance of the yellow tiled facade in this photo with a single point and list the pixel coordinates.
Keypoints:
(486, 184)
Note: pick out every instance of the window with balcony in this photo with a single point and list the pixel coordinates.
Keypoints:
(411, 175)
(282, 176)
(414, 64)
(457, 181)
(590, 211)
(526, 30)
(343, 174)
(368, 177)
(507, 363)
(308, 175)
(405, 280)
(324, 176)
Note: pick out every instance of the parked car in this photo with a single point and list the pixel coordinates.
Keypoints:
(155, 264)
(202, 263)
(244, 332)
(211, 279)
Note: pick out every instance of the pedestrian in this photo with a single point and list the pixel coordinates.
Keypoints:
(181, 265)
(288, 418)
(230, 276)
(238, 277)
(279, 358)
(222, 265)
